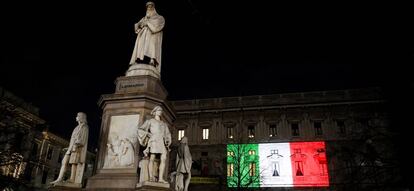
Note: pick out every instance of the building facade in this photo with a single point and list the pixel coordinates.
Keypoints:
(351, 124)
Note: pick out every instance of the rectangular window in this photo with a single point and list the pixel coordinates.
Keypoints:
(275, 169)
(44, 176)
(28, 174)
(180, 134)
(34, 150)
(341, 126)
(61, 154)
(230, 132)
(205, 134)
(349, 167)
(272, 130)
(230, 169)
(323, 167)
(299, 168)
(252, 169)
(295, 129)
(250, 130)
(49, 153)
(252, 152)
(318, 128)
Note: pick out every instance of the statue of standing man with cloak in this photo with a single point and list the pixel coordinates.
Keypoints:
(154, 134)
(184, 162)
(147, 49)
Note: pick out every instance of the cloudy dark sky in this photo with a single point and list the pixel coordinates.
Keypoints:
(62, 57)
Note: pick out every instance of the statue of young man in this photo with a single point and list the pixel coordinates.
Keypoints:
(76, 153)
(154, 134)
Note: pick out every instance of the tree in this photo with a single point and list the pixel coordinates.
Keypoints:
(367, 156)
(243, 171)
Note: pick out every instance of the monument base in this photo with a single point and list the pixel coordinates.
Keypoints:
(142, 70)
(112, 181)
(65, 186)
(134, 98)
(148, 186)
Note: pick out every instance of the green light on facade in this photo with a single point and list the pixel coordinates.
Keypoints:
(243, 165)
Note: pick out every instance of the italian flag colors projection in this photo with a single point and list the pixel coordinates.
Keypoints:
(295, 164)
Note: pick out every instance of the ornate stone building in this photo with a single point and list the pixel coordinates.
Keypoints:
(353, 124)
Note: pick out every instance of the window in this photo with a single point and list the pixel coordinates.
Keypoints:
(323, 163)
(34, 150)
(295, 129)
(252, 152)
(323, 168)
(61, 154)
(349, 167)
(180, 134)
(44, 176)
(275, 169)
(205, 134)
(49, 153)
(252, 169)
(250, 130)
(272, 130)
(230, 132)
(204, 154)
(28, 174)
(230, 169)
(299, 168)
(341, 126)
(318, 128)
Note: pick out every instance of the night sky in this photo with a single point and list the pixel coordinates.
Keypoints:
(62, 57)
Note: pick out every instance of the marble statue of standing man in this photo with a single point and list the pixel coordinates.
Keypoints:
(155, 134)
(183, 164)
(76, 154)
(149, 38)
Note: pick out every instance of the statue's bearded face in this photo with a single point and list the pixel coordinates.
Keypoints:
(150, 10)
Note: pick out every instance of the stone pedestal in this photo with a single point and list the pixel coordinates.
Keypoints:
(142, 69)
(149, 186)
(65, 186)
(123, 111)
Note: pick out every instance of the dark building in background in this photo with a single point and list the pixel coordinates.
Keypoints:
(353, 124)
(30, 156)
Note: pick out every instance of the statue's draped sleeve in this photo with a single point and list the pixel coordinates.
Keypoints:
(143, 132)
(167, 135)
(136, 26)
(156, 24)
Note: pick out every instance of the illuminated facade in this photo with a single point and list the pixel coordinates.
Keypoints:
(19, 122)
(326, 140)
